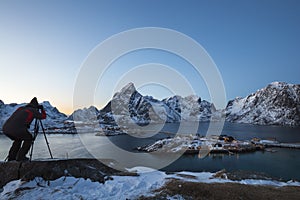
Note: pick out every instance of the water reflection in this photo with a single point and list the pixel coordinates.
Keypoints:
(284, 163)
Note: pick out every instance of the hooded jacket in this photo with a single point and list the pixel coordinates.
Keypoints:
(16, 126)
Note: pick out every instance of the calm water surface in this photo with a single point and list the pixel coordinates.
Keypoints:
(285, 163)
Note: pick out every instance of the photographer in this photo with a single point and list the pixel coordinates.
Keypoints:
(16, 128)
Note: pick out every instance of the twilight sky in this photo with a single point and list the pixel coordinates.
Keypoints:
(43, 44)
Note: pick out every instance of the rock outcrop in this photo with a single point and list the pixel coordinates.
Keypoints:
(54, 169)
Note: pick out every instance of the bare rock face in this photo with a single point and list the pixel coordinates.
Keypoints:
(53, 169)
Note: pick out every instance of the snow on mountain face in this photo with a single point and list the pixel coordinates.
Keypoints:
(191, 108)
(6, 110)
(85, 115)
(129, 106)
(55, 119)
(276, 104)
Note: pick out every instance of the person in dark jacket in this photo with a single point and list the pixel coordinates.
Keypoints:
(16, 128)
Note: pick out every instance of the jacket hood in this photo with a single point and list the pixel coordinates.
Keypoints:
(33, 103)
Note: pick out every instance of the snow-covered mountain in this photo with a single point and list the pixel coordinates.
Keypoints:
(85, 115)
(191, 108)
(276, 104)
(128, 106)
(54, 120)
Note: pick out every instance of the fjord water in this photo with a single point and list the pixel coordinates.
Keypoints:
(246, 131)
(283, 164)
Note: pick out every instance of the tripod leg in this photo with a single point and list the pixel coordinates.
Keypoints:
(35, 133)
(46, 140)
(31, 151)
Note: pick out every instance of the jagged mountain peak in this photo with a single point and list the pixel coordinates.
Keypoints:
(127, 90)
(47, 103)
(129, 87)
(85, 114)
(279, 85)
(193, 98)
(173, 97)
(129, 105)
(278, 103)
(93, 108)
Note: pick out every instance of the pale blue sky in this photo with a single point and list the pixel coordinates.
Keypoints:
(44, 43)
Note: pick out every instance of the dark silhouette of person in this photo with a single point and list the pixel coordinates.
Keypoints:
(16, 128)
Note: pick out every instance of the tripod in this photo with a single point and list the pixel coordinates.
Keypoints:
(38, 123)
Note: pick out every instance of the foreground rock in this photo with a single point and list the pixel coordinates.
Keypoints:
(54, 169)
(151, 185)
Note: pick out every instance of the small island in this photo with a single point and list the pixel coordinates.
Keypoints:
(195, 144)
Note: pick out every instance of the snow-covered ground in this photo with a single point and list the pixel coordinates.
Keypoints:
(121, 187)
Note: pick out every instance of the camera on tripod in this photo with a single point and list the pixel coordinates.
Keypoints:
(40, 107)
(38, 123)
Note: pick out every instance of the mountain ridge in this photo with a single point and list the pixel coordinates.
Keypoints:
(129, 105)
(276, 104)
(55, 119)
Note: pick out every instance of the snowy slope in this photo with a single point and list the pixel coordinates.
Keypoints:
(55, 119)
(121, 187)
(191, 108)
(276, 104)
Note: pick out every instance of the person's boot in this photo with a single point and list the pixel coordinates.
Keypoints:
(14, 149)
(24, 150)
(23, 158)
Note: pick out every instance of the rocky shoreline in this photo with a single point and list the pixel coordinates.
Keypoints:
(49, 170)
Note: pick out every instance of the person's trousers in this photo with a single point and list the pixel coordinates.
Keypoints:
(18, 150)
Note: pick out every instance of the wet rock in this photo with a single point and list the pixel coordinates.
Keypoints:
(220, 174)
